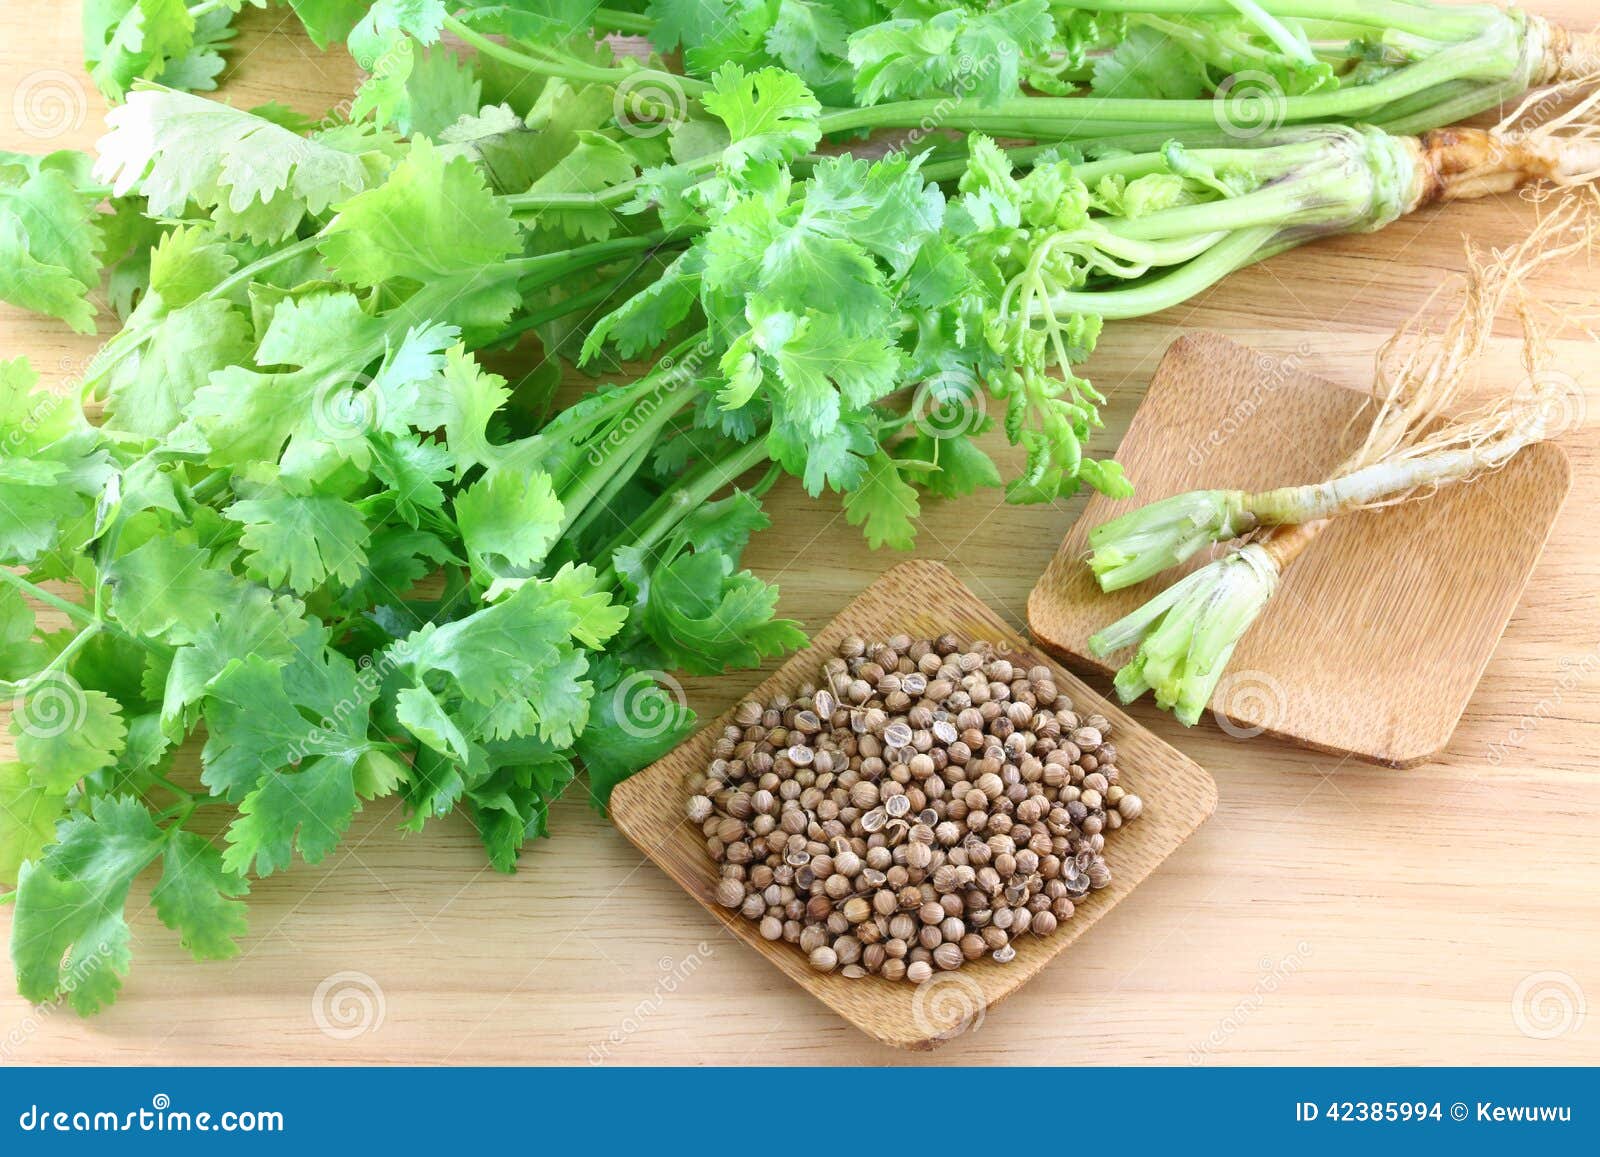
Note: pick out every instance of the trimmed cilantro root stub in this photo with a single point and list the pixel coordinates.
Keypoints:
(924, 805)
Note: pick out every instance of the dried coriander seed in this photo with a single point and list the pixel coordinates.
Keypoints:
(923, 804)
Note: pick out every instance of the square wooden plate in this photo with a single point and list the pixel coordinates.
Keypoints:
(923, 599)
(1379, 633)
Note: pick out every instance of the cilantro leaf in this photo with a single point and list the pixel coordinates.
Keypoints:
(699, 611)
(258, 179)
(284, 742)
(634, 721)
(50, 238)
(168, 588)
(198, 898)
(884, 505)
(69, 936)
(433, 218)
(977, 53)
(28, 814)
(64, 733)
(301, 540)
(771, 118)
(512, 805)
(508, 520)
(52, 466)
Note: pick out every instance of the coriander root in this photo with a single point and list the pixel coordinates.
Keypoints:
(1186, 635)
(924, 807)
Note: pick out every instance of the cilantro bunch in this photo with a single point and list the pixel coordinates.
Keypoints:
(311, 528)
(1084, 70)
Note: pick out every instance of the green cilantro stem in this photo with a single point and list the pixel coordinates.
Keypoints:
(554, 65)
(611, 196)
(578, 302)
(631, 23)
(72, 610)
(1433, 21)
(658, 521)
(658, 399)
(1170, 289)
(277, 257)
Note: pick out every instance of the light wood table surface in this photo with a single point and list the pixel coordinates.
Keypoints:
(1329, 913)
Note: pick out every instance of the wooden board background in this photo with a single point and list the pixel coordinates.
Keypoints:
(1405, 604)
(1328, 913)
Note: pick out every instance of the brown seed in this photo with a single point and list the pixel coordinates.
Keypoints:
(857, 909)
(730, 893)
(919, 972)
(948, 956)
(824, 959)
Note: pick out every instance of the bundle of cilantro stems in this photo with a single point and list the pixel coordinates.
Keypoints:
(309, 524)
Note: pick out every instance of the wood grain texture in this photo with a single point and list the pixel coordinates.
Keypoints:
(1330, 912)
(1397, 610)
(924, 600)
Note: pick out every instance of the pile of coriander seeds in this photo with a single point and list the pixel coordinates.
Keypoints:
(926, 805)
